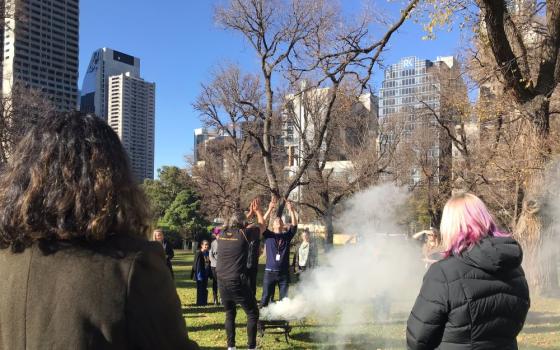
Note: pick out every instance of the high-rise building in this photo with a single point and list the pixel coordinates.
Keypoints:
(40, 48)
(104, 63)
(201, 137)
(131, 105)
(410, 82)
(303, 113)
(306, 109)
(411, 93)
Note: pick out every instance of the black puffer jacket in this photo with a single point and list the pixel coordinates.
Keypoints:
(478, 300)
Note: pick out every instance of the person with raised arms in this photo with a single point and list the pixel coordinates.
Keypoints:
(233, 280)
(277, 243)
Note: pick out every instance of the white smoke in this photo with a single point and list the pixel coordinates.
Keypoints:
(549, 249)
(357, 283)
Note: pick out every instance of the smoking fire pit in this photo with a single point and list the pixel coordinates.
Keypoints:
(274, 327)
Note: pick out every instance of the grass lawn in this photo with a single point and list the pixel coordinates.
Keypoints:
(206, 324)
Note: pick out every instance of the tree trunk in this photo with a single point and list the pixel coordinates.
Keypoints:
(329, 228)
(538, 110)
(532, 229)
(518, 205)
(267, 138)
(280, 208)
(240, 186)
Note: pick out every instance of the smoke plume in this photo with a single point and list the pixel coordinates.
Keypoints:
(358, 283)
(547, 246)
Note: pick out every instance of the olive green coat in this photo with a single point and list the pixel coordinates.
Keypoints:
(117, 294)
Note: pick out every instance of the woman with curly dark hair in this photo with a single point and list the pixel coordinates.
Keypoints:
(76, 267)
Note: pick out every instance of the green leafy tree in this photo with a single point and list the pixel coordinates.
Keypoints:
(185, 215)
(163, 191)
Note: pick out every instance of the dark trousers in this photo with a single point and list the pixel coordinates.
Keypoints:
(202, 292)
(270, 280)
(214, 285)
(253, 280)
(234, 292)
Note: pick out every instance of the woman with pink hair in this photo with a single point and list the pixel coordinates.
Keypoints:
(477, 296)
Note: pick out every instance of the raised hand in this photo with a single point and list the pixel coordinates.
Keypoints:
(251, 211)
(290, 205)
(271, 205)
(256, 204)
(293, 214)
(273, 202)
(254, 207)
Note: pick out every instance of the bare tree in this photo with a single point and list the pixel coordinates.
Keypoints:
(525, 45)
(19, 111)
(351, 157)
(218, 182)
(298, 38)
(227, 168)
(23, 106)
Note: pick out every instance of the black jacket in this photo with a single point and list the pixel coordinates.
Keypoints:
(478, 300)
(200, 264)
(169, 253)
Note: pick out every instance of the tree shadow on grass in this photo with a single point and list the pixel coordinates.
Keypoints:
(540, 329)
(181, 282)
(191, 309)
(217, 326)
(533, 347)
(182, 263)
(542, 317)
(354, 341)
(206, 327)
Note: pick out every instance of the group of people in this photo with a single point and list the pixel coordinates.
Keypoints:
(238, 251)
(277, 244)
(78, 270)
(231, 260)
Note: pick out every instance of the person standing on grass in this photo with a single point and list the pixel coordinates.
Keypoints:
(477, 296)
(158, 236)
(233, 280)
(213, 255)
(431, 250)
(201, 272)
(76, 266)
(277, 242)
(305, 255)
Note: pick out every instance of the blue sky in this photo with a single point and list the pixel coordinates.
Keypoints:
(179, 45)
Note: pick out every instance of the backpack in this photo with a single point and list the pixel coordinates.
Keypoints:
(251, 251)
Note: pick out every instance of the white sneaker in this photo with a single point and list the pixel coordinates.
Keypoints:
(234, 348)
